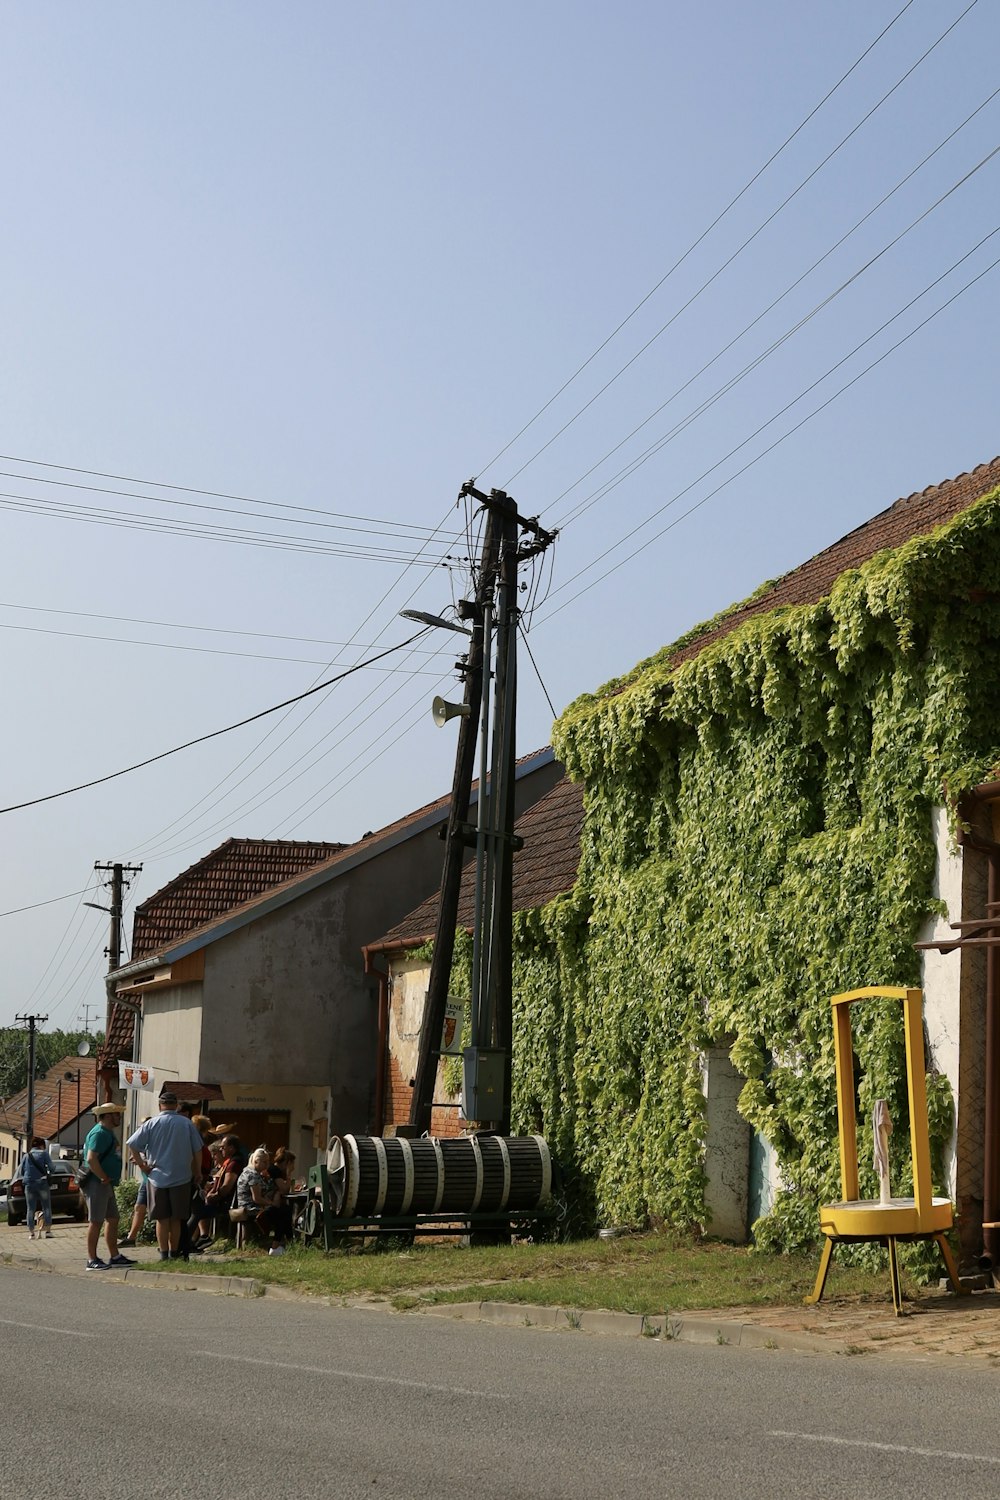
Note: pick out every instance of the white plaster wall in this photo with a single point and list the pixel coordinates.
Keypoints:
(406, 1010)
(942, 974)
(171, 1033)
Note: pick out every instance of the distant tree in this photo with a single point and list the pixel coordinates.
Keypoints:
(50, 1046)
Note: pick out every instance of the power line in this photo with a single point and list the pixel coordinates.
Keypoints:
(262, 635)
(16, 910)
(739, 250)
(207, 531)
(395, 530)
(187, 489)
(276, 788)
(759, 359)
(571, 515)
(778, 441)
(118, 640)
(274, 728)
(704, 235)
(214, 734)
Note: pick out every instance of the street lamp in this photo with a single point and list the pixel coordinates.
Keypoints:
(423, 618)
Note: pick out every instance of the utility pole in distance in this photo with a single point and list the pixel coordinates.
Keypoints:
(32, 1023)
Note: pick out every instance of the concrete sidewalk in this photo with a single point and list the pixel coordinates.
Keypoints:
(936, 1325)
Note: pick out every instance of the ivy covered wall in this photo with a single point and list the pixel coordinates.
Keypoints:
(757, 837)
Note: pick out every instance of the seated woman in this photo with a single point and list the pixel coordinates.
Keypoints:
(260, 1195)
(282, 1169)
(220, 1195)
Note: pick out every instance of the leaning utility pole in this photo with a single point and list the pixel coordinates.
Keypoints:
(456, 838)
(486, 1070)
(32, 1022)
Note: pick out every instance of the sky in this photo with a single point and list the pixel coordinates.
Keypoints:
(659, 271)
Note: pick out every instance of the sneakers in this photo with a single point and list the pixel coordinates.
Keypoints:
(125, 1241)
(121, 1260)
(97, 1265)
(49, 1235)
(276, 1250)
(205, 1243)
(31, 1234)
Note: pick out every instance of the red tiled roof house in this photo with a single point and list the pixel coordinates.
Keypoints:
(248, 988)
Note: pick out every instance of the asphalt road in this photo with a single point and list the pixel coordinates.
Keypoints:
(114, 1391)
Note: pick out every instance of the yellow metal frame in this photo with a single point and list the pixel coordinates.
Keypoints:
(921, 1217)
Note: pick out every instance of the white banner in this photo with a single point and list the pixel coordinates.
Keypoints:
(133, 1076)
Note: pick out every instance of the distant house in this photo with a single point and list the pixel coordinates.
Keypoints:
(64, 1098)
(262, 1008)
(545, 867)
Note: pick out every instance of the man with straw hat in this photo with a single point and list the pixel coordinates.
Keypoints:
(103, 1172)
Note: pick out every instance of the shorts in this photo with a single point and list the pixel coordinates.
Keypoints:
(142, 1196)
(101, 1201)
(169, 1202)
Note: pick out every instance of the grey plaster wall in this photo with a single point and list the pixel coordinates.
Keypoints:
(285, 1000)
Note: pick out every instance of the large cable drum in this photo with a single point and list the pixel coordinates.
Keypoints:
(397, 1177)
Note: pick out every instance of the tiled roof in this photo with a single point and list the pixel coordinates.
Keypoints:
(346, 859)
(911, 516)
(543, 869)
(118, 1041)
(55, 1108)
(233, 873)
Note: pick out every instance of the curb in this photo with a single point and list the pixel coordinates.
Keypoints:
(660, 1327)
(227, 1286)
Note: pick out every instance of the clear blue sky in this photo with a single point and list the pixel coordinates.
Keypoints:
(336, 257)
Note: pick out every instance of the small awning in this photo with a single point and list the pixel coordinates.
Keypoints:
(190, 1093)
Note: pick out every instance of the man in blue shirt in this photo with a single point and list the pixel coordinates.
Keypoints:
(168, 1149)
(104, 1170)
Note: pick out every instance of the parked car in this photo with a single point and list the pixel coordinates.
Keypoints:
(4, 1185)
(66, 1196)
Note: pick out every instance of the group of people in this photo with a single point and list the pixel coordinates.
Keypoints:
(191, 1173)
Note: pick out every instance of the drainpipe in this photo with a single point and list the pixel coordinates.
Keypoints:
(991, 1123)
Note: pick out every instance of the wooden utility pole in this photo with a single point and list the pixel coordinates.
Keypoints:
(32, 1022)
(456, 840)
(487, 1072)
(113, 951)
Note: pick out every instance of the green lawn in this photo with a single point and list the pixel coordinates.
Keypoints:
(637, 1273)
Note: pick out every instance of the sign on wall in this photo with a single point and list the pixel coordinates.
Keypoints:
(132, 1076)
(451, 1033)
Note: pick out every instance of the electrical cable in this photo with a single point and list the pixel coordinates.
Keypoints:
(723, 390)
(185, 489)
(694, 245)
(416, 711)
(393, 530)
(531, 658)
(275, 541)
(119, 640)
(261, 635)
(739, 250)
(276, 788)
(16, 910)
(252, 752)
(213, 734)
(778, 441)
(772, 305)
